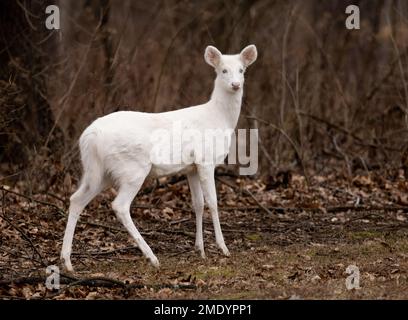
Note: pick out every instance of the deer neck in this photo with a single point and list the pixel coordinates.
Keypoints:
(226, 104)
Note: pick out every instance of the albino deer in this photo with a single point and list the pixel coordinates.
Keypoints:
(117, 150)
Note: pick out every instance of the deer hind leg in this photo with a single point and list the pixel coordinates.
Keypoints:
(198, 206)
(128, 189)
(90, 186)
(207, 182)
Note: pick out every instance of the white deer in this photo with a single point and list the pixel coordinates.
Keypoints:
(117, 150)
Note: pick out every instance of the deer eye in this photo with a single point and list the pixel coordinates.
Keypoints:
(241, 70)
(224, 71)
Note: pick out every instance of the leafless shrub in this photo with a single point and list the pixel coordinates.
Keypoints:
(336, 98)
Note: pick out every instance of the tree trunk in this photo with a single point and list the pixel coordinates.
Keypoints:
(25, 45)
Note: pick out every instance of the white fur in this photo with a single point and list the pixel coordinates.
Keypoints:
(117, 149)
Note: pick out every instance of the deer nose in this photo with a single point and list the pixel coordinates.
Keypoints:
(235, 85)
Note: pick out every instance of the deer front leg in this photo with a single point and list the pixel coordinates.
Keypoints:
(207, 182)
(198, 206)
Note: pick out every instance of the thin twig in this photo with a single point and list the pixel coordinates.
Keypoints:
(63, 101)
(94, 282)
(358, 140)
(332, 209)
(49, 204)
(27, 238)
(247, 192)
(293, 144)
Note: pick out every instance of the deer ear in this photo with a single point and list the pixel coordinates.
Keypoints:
(248, 55)
(212, 56)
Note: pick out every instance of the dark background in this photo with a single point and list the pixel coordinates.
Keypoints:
(331, 106)
(326, 97)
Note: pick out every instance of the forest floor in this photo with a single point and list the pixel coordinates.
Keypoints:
(288, 240)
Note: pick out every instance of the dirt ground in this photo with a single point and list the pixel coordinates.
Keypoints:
(288, 240)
